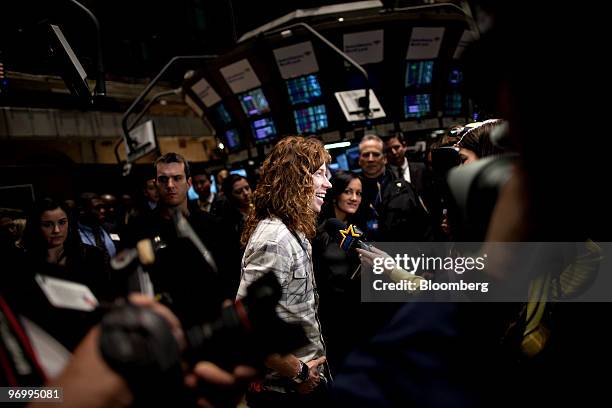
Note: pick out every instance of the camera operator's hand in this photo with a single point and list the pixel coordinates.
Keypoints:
(87, 380)
(233, 385)
(370, 257)
(445, 225)
(314, 377)
(384, 261)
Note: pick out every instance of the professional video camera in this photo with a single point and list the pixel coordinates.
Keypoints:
(475, 188)
(139, 344)
(468, 192)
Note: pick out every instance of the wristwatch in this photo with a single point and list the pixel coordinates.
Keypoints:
(303, 374)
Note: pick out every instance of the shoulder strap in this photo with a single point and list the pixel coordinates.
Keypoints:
(18, 362)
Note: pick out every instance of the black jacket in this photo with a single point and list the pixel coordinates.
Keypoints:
(418, 175)
(85, 266)
(398, 211)
(194, 290)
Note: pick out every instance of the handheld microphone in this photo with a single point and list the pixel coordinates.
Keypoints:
(348, 237)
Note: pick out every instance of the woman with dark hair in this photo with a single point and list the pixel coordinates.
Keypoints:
(52, 249)
(475, 142)
(48, 233)
(337, 273)
(343, 199)
(234, 208)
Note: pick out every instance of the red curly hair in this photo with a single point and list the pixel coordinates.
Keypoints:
(286, 189)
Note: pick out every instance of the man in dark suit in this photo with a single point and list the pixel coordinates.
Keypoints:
(413, 173)
(390, 209)
(177, 273)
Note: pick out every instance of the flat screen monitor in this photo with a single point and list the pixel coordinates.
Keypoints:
(455, 77)
(417, 106)
(18, 197)
(419, 73)
(263, 130)
(213, 184)
(66, 61)
(232, 139)
(342, 162)
(240, 172)
(310, 119)
(143, 141)
(221, 114)
(352, 156)
(191, 194)
(452, 104)
(254, 102)
(304, 89)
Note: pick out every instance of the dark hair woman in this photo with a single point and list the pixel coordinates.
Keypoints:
(337, 272)
(52, 249)
(236, 205)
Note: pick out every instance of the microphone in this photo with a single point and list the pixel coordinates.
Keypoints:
(348, 237)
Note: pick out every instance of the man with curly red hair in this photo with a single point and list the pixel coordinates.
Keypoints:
(277, 237)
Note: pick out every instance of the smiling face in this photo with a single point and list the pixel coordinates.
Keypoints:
(54, 227)
(321, 185)
(348, 201)
(371, 158)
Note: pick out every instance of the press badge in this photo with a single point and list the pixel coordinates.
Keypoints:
(372, 225)
(66, 294)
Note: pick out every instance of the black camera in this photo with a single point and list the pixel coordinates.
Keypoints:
(139, 345)
(475, 188)
(444, 158)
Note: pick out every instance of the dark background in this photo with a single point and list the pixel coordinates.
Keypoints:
(139, 36)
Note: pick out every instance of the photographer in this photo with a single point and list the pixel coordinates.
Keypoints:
(89, 381)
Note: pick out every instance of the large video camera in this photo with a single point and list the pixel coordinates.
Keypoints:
(468, 192)
(139, 345)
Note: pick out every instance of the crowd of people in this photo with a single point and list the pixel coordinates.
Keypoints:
(71, 260)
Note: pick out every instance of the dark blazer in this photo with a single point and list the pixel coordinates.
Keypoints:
(417, 175)
(180, 271)
(399, 212)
